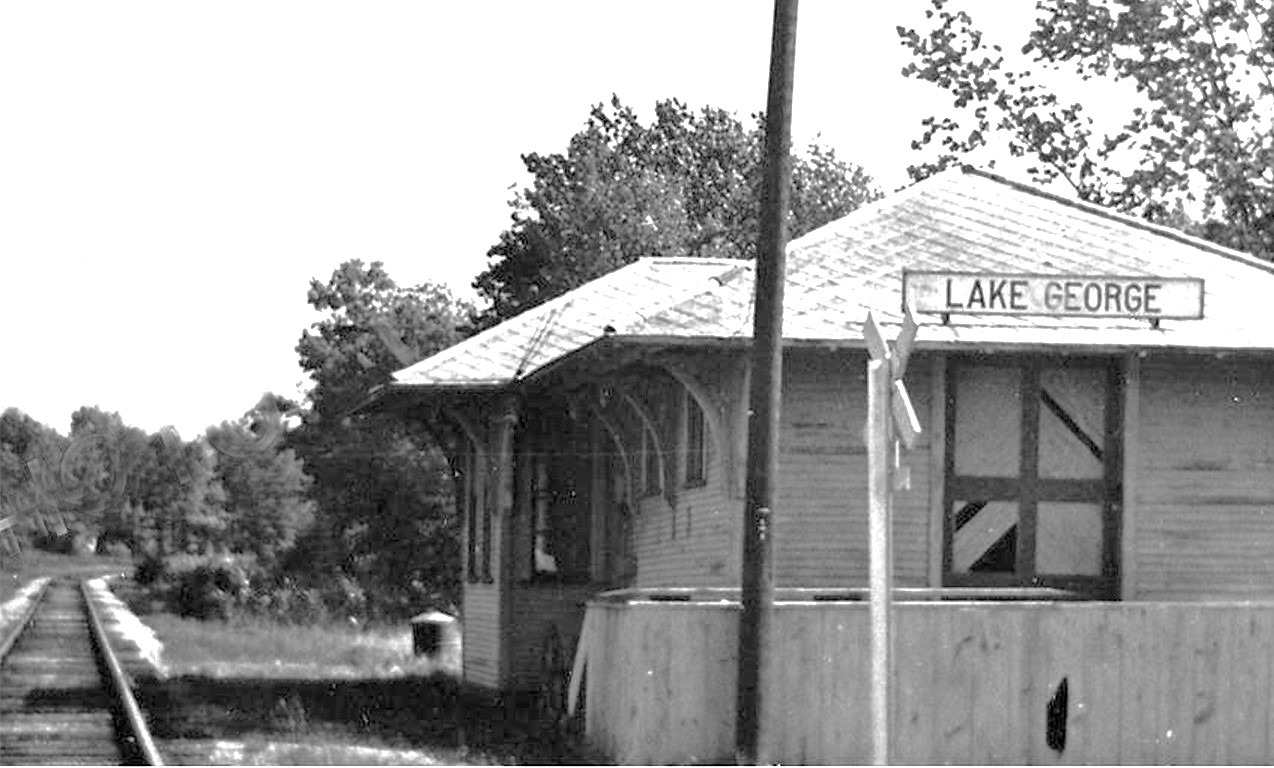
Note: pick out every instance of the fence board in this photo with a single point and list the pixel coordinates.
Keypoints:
(1139, 720)
(1098, 700)
(1205, 743)
(992, 710)
(1146, 683)
(918, 673)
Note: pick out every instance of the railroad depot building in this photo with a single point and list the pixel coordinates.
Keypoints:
(1085, 551)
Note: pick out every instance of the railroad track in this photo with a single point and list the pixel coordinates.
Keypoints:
(64, 698)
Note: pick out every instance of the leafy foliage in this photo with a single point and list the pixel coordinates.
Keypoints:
(373, 328)
(266, 488)
(688, 184)
(198, 586)
(385, 516)
(1198, 140)
(178, 501)
(364, 525)
(30, 463)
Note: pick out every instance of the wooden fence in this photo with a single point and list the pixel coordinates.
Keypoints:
(974, 682)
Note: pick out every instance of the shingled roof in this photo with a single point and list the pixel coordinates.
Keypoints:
(960, 220)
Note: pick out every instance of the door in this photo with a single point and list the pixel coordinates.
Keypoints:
(1033, 473)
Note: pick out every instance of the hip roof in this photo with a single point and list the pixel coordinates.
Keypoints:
(961, 220)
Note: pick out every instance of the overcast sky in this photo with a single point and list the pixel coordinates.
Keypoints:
(172, 174)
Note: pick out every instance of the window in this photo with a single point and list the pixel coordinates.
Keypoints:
(1033, 472)
(543, 559)
(694, 442)
(558, 458)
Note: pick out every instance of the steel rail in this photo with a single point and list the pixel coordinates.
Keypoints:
(20, 625)
(120, 683)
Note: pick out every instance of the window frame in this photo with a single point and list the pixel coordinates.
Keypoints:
(1027, 489)
(693, 442)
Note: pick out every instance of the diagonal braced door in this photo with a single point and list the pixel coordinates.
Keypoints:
(1033, 473)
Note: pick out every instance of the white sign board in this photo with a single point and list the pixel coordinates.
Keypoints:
(988, 293)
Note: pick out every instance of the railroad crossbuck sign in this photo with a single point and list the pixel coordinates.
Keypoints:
(888, 404)
(906, 425)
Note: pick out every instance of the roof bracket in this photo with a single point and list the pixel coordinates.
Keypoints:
(946, 318)
(1154, 323)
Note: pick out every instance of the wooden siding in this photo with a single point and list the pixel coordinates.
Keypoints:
(820, 529)
(1146, 683)
(690, 542)
(485, 601)
(1205, 480)
(821, 519)
(689, 536)
(535, 609)
(482, 634)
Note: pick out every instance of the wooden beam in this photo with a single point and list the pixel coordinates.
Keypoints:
(474, 489)
(500, 495)
(739, 445)
(1029, 471)
(648, 424)
(617, 437)
(1131, 480)
(937, 464)
(470, 431)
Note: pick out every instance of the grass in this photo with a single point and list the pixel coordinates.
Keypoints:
(256, 693)
(272, 650)
(383, 721)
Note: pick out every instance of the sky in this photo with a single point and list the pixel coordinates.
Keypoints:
(173, 174)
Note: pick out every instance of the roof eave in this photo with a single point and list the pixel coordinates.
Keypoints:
(932, 345)
(448, 387)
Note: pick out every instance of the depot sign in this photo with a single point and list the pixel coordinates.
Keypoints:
(980, 293)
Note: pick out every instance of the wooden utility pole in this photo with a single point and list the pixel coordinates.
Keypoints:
(767, 370)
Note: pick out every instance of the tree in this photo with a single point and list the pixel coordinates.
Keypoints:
(688, 184)
(374, 328)
(266, 489)
(382, 486)
(102, 468)
(30, 467)
(1197, 145)
(108, 482)
(179, 497)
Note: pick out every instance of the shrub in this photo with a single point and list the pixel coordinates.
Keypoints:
(149, 570)
(198, 586)
(115, 549)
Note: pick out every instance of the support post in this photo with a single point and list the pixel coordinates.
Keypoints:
(498, 522)
(756, 584)
(879, 444)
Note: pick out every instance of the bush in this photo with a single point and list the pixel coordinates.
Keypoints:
(198, 586)
(287, 600)
(149, 570)
(115, 549)
(234, 587)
